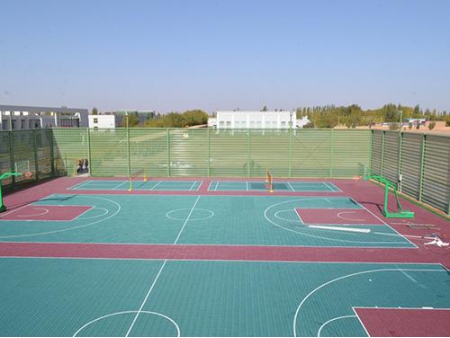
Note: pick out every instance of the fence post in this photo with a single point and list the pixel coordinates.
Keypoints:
(249, 150)
(399, 161)
(128, 149)
(382, 152)
(168, 151)
(88, 139)
(371, 149)
(35, 151)
(208, 136)
(52, 150)
(422, 166)
(331, 153)
(290, 152)
(11, 155)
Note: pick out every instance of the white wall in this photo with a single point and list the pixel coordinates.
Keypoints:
(255, 119)
(102, 121)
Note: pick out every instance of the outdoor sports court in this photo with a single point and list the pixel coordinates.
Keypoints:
(202, 257)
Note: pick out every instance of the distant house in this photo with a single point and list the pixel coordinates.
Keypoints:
(256, 120)
(416, 121)
(102, 121)
(30, 117)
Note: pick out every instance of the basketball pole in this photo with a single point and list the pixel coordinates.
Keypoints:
(3, 176)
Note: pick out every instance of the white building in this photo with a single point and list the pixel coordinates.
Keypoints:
(102, 121)
(256, 120)
(30, 117)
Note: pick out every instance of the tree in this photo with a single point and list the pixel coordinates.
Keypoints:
(94, 111)
(417, 112)
(133, 120)
(194, 118)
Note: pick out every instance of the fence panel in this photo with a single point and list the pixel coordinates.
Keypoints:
(411, 164)
(149, 152)
(188, 152)
(69, 146)
(230, 153)
(110, 152)
(26, 151)
(424, 165)
(436, 173)
(391, 156)
(377, 152)
(349, 147)
(6, 156)
(311, 153)
(269, 151)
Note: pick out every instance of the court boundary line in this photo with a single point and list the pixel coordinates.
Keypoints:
(445, 270)
(47, 220)
(226, 261)
(360, 320)
(146, 297)
(65, 229)
(332, 320)
(332, 239)
(391, 308)
(399, 234)
(125, 312)
(187, 219)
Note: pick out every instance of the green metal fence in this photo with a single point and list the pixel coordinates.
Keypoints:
(422, 160)
(27, 151)
(214, 153)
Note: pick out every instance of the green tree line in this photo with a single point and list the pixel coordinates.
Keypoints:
(353, 115)
(329, 116)
(176, 120)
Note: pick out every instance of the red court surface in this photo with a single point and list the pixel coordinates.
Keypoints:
(405, 322)
(338, 216)
(44, 213)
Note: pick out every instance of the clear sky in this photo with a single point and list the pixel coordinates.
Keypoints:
(175, 55)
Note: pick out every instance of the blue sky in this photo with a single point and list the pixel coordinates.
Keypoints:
(175, 55)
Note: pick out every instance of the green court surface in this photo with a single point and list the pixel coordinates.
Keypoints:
(154, 185)
(100, 297)
(277, 186)
(189, 219)
(138, 184)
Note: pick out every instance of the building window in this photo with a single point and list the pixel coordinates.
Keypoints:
(95, 120)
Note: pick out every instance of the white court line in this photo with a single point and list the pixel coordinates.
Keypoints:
(160, 270)
(76, 187)
(159, 182)
(217, 185)
(119, 207)
(294, 326)
(146, 297)
(246, 185)
(192, 186)
(187, 219)
(399, 234)
(290, 186)
(360, 320)
(127, 312)
(332, 320)
(122, 183)
(46, 211)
